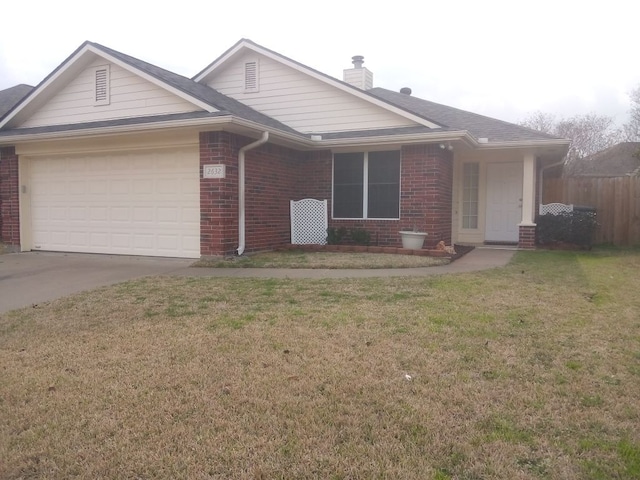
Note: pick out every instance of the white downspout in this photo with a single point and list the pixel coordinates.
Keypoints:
(540, 183)
(241, 202)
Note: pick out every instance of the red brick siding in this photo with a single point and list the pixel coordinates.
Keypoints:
(314, 176)
(425, 199)
(271, 182)
(9, 197)
(427, 182)
(219, 197)
(527, 237)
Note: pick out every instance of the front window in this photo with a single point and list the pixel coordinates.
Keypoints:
(470, 182)
(366, 185)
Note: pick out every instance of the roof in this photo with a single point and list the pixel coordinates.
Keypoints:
(10, 97)
(477, 125)
(128, 121)
(245, 43)
(430, 117)
(202, 92)
(619, 160)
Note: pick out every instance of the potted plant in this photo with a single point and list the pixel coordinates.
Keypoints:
(412, 239)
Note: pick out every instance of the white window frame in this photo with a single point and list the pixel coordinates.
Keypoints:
(466, 203)
(365, 189)
(107, 97)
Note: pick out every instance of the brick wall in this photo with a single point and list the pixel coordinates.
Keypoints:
(275, 175)
(9, 197)
(272, 180)
(219, 197)
(426, 182)
(527, 237)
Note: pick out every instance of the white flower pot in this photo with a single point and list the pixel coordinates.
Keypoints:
(412, 240)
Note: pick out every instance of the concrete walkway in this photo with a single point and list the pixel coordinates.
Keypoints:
(477, 259)
(35, 277)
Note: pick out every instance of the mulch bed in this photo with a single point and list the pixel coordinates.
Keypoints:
(461, 251)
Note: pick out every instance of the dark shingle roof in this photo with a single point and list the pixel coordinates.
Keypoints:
(618, 161)
(10, 97)
(109, 123)
(477, 125)
(202, 92)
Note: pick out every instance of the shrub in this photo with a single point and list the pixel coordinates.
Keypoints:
(360, 236)
(577, 228)
(335, 235)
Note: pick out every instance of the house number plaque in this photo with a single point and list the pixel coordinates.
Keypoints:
(213, 171)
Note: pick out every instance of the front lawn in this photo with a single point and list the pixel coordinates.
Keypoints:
(526, 372)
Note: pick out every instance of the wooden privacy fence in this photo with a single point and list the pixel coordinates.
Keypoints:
(617, 203)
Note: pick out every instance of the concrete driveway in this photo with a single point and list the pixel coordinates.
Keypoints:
(34, 277)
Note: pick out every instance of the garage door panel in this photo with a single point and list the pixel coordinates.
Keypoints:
(143, 203)
(119, 187)
(78, 239)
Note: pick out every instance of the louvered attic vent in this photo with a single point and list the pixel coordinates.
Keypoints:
(251, 76)
(102, 84)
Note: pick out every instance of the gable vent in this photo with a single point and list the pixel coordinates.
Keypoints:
(251, 76)
(102, 84)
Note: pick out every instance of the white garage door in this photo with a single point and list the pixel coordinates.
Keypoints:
(141, 203)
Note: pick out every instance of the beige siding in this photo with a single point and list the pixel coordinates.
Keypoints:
(301, 101)
(131, 96)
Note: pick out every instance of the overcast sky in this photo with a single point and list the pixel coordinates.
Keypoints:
(504, 59)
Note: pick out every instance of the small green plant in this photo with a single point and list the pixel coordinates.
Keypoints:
(360, 236)
(335, 235)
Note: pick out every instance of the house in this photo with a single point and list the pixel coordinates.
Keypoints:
(110, 154)
(620, 160)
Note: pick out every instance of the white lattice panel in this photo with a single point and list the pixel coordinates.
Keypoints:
(309, 222)
(555, 208)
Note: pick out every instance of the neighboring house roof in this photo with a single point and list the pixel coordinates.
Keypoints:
(10, 97)
(478, 125)
(619, 160)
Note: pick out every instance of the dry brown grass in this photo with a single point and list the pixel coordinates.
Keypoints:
(330, 260)
(531, 371)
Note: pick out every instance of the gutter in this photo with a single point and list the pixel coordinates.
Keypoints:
(241, 190)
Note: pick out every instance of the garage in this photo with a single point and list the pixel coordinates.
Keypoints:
(128, 203)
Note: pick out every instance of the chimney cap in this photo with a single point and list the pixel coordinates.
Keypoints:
(357, 61)
(405, 90)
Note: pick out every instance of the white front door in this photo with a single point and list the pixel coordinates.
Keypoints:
(504, 201)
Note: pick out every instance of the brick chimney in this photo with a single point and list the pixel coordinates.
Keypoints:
(358, 76)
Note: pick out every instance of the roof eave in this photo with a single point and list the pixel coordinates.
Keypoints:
(559, 143)
(404, 139)
(111, 130)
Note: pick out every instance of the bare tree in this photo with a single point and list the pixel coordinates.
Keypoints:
(540, 121)
(632, 128)
(588, 133)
